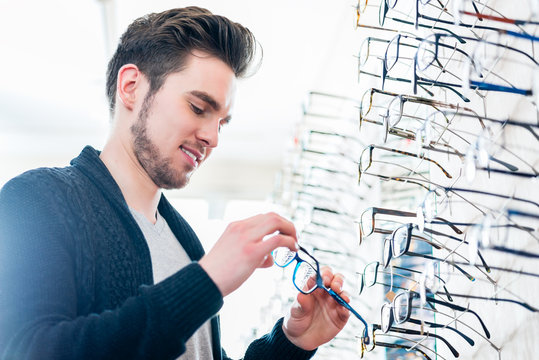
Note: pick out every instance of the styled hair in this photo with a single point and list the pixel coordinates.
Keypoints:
(159, 44)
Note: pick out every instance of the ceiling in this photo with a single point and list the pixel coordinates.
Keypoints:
(53, 62)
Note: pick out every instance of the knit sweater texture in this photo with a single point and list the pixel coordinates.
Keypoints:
(76, 277)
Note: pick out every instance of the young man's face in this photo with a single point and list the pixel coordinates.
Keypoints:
(178, 127)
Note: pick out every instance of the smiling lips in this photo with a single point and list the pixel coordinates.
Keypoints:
(193, 155)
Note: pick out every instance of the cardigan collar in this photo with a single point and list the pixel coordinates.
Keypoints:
(91, 165)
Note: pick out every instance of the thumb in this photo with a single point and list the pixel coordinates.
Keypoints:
(304, 304)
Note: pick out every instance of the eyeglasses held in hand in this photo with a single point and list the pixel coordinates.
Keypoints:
(307, 277)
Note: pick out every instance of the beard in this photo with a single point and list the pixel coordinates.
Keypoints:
(158, 167)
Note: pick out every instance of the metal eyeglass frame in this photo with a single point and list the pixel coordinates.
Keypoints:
(371, 345)
(438, 20)
(364, 167)
(410, 98)
(363, 283)
(388, 255)
(476, 85)
(378, 210)
(396, 40)
(410, 295)
(389, 309)
(409, 227)
(424, 83)
(507, 122)
(430, 301)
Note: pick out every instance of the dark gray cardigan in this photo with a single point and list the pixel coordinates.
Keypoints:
(76, 277)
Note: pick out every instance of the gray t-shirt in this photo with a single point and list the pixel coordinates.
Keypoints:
(168, 256)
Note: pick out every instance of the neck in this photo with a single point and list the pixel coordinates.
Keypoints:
(138, 189)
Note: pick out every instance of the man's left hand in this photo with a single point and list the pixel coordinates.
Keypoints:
(316, 318)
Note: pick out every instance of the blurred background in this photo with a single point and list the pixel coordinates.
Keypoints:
(294, 147)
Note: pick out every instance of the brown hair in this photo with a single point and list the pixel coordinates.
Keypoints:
(159, 43)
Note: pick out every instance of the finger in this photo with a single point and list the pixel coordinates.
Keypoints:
(337, 283)
(267, 262)
(345, 296)
(327, 275)
(265, 224)
(305, 304)
(342, 312)
(268, 245)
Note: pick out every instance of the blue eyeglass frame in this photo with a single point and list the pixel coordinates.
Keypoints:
(320, 284)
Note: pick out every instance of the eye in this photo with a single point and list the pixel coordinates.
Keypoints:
(222, 123)
(196, 110)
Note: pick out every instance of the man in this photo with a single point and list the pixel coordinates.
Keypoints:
(95, 263)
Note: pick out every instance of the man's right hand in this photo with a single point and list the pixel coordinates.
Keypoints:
(243, 248)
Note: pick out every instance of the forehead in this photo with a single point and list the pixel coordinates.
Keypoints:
(207, 74)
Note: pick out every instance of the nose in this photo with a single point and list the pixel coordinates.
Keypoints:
(208, 133)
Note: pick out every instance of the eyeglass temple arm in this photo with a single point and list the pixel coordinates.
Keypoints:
(483, 262)
(387, 178)
(460, 39)
(379, 327)
(417, 156)
(460, 308)
(512, 173)
(461, 155)
(470, 277)
(415, 332)
(341, 301)
(493, 194)
(399, 346)
(475, 85)
(523, 304)
(417, 272)
(500, 19)
(377, 210)
(524, 125)
(515, 251)
(446, 292)
(442, 326)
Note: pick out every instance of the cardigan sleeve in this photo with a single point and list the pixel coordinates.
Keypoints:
(38, 290)
(276, 345)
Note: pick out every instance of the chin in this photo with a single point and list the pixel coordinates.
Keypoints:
(176, 183)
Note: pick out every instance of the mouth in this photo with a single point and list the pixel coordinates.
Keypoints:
(192, 155)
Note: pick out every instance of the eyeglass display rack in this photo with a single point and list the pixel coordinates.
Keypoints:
(445, 135)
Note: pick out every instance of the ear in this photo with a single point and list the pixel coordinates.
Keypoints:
(129, 79)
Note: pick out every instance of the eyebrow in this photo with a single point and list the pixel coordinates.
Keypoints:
(204, 96)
